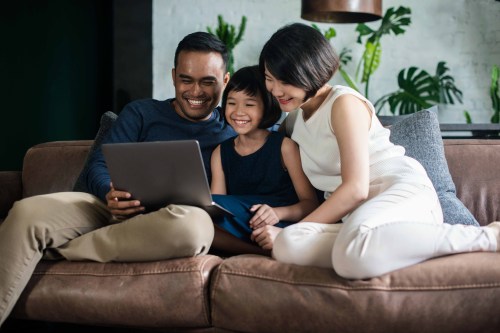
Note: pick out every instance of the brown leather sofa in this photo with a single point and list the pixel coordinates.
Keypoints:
(248, 293)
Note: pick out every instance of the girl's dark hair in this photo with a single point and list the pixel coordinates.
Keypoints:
(202, 42)
(301, 56)
(251, 81)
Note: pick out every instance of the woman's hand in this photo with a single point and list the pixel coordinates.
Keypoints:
(120, 205)
(265, 236)
(263, 215)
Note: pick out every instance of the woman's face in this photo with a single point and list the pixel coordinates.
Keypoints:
(289, 97)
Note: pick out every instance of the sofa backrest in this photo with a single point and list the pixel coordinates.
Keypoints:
(53, 166)
(474, 166)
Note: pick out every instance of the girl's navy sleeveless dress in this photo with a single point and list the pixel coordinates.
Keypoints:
(258, 178)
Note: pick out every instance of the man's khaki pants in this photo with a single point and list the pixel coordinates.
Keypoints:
(76, 226)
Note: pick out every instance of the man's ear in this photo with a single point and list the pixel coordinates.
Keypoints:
(226, 78)
(173, 76)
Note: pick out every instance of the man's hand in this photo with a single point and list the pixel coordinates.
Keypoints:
(265, 236)
(263, 215)
(120, 205)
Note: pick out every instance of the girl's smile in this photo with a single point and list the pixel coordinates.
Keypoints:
(243, 111)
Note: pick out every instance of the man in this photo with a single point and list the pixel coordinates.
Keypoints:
(104, 225)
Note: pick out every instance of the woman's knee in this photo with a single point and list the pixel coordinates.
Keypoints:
(283, 247)
(305, 244)
(356, 259)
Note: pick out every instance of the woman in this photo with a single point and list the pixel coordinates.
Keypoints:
(390, 212)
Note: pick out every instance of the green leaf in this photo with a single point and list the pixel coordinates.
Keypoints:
(371, 60)
(363, 30)
(468, 118)
(241, 30)
(330, 33)
(447, 91)
(345, 56)
(348, 79)
(495, 94)
(393, 21)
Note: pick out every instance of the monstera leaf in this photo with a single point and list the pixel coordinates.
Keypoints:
(419, 90)
(395, 20)
(446, 84)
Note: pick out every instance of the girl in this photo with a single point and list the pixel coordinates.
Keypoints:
(257, 174)
(389, 208)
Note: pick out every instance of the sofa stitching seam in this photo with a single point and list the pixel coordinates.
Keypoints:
(152, 272)
(214, 289)
(205, 305)
(450, 287)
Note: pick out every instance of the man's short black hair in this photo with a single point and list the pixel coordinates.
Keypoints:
(202, 42)
(251, 81)
(301, 56)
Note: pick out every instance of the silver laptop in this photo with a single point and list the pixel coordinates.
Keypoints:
(160, 173)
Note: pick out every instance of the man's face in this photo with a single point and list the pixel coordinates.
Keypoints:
(199, 80)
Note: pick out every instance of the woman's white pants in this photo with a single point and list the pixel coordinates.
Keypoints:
(397, 228)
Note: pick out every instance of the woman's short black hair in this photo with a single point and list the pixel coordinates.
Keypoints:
(202, 42)
(301, 56)
(251, 81)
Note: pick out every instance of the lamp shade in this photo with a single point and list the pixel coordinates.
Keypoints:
(341, 11)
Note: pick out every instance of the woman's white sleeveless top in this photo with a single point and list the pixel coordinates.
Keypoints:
(320, 154)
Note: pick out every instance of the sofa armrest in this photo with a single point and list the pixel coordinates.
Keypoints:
(11, 189)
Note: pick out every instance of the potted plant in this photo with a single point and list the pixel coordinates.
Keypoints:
(417, 88)
(495, 103)
(228, 35)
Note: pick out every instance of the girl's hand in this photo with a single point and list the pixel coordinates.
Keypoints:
(263, 215)
(265, 236)
(120, 205)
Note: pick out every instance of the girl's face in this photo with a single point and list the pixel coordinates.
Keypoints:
(288, 96)
(244, 112)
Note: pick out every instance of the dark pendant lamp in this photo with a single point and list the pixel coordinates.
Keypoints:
(341, 11)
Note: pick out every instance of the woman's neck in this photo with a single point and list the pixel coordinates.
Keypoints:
(313, 103)
(246, 144)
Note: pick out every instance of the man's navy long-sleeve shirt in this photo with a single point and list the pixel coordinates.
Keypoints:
(153, 120)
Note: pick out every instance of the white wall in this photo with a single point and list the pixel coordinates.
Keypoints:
(464, 33)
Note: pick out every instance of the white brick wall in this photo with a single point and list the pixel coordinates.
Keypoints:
(464, 33)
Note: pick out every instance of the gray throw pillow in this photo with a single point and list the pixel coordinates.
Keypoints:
(420, 135)
(107, 120)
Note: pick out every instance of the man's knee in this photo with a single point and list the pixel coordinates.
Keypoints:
(187, 226)
(27, 212)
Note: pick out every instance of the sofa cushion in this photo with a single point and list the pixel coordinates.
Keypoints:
(420, 135)
(107, 120)
(154, 295)
(459, 293)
